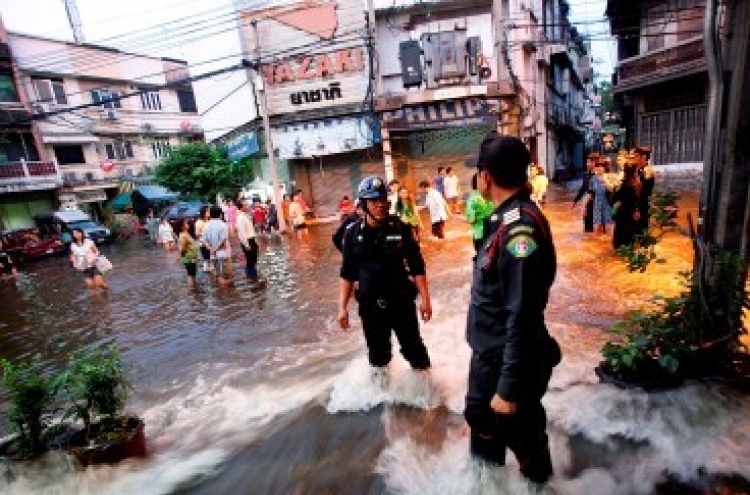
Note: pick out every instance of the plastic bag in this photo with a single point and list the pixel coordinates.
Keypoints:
(103, 264)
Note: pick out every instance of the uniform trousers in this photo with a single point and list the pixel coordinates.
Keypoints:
(251, 258)
(380, 317)
(524, 432)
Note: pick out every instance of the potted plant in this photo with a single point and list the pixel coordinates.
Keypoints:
(95, 388)
(695, 334)
(32, 394)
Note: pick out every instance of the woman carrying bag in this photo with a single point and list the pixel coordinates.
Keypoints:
(85, 257)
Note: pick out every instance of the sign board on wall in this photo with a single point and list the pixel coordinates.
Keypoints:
(314, 51)
(243, 146)
(443, 114)
(324, 137)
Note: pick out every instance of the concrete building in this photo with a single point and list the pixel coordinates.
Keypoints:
(551, 70)
(661, 81)
(27, 183)
(316, 75)
(99, 147)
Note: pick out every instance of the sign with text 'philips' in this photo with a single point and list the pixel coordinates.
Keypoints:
(313, 51)
(244, 146)
(444, 114)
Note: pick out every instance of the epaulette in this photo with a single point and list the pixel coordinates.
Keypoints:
(511, 216)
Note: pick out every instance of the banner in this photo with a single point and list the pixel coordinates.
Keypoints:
(243, 146)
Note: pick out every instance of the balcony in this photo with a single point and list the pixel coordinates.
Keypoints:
(658, 66)
(28, 176)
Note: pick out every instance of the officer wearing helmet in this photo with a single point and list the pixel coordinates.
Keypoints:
(382, 261)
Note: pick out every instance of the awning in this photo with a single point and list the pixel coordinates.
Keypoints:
(121, 202)
(69, 139)
(156, 193)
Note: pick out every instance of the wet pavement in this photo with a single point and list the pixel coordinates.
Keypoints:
(253, 390)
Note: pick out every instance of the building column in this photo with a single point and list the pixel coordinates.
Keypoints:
(387, 154)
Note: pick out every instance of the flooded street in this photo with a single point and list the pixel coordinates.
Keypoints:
(255, 391)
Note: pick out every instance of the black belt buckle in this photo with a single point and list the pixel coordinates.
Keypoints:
(382, 303)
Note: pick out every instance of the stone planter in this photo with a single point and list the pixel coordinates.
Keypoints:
(131, 443)
(649, 381)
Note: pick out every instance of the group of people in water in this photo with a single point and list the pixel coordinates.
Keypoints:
(617, 194)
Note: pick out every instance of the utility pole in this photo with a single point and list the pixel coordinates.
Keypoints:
(74, 19)
(725, 204)
(255, 79)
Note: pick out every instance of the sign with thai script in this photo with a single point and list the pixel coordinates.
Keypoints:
(443, 114)
(243, 146)
(313, 52)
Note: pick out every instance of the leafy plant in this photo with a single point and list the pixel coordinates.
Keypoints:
(32, 394)
(94, 385)
(691, 334)
(642, 252)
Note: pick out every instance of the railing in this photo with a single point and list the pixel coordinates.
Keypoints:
(668, 58)
(24, 169)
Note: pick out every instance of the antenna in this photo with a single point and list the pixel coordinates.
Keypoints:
(75, 20)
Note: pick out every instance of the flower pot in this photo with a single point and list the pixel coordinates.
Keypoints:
(130, 442)
(649, 380)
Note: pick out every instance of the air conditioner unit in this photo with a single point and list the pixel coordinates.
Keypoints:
(109, 114)
(542, 55)
(148, 127)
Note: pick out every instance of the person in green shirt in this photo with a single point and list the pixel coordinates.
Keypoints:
(406, 210)
(477, 210)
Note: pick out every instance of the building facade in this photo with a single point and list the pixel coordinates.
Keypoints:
(661, 81)
(27, 182)
(315, 69)
(98, 147)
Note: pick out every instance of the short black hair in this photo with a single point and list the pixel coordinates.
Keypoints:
(440, 169)
(506, 159)
(474, 184)
(216, 212)
(424, 184)
(449, 170)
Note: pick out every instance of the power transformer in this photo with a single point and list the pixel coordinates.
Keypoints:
(410, 55)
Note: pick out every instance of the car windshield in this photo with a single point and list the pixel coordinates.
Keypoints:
(83, 225)
(184, 210)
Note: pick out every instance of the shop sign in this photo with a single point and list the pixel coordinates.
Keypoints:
(324, 137)
(444, 114)
(244, 146)
(91, 196)
(318, 66)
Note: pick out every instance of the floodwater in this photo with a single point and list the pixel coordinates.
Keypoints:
(254, 391)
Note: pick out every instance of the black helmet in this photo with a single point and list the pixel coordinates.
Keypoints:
(372, 187)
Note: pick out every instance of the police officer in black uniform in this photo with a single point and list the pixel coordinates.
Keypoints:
(512, 352)
(382, 258)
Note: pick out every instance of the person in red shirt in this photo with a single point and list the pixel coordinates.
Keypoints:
(260, 216)
(346, 207)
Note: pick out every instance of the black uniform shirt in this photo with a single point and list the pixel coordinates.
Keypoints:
(381, 259)
(513, 273)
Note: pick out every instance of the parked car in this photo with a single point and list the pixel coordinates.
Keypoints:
(29, 244)
(67, 220)
(178, 212)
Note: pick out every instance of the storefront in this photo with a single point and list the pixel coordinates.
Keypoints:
(17, 210)
(439, 134)
(329, 157)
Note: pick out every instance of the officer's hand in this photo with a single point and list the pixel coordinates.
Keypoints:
(425, 309)
(501, 406)
(344, 319)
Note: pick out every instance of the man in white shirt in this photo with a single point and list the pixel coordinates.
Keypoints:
(216, 239)
(437, 207)
(246, 234)
(452, 190)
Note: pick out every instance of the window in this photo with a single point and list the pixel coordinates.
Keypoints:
(101, 95)
(655, 24)
(68, 154)
(151, 101)
(119, 150)
(160, 147)
(50, 91)
(8, 92)
(186, 98)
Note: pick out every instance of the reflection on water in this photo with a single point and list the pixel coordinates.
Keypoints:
(254, 391)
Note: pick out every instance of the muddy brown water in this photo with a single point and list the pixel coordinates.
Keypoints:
(253, 390)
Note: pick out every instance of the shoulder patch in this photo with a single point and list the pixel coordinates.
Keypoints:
(511, 216)
(521, 246)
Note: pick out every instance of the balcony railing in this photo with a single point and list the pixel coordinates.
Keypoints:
(28, 176)
(662, 62)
